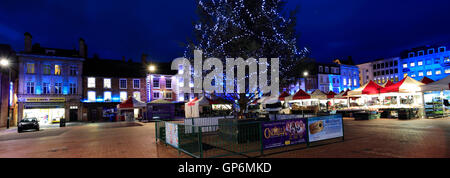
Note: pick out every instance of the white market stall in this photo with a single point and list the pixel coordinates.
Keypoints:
(436, 98)
(130, 109)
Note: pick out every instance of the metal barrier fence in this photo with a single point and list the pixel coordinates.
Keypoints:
(204, 121)
(229, 138)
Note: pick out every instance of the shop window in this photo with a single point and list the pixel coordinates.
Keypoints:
(136, 83)
(91, 96)
(106, 83)
(30, 68)
(47, 69)
(107, 96)
(123, 96)
(57, 69)
(123, 83)
(91, 82)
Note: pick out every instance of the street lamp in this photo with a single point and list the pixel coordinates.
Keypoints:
(305, 74)
(5, 63)
(151, 68)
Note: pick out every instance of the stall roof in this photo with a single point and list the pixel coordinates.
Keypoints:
(160, 101)
(131, 103)
(331, 94)
(317, 94)
(283, 95)
(301, 95)
(443, 84)
(407, 85)
(425, 80)
(388, 83)
(369, 88)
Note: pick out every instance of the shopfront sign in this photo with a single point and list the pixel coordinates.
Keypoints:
(172, 134)
(39, 100)
(325, 127)
(284, 132)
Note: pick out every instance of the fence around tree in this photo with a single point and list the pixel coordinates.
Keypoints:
(231, 137)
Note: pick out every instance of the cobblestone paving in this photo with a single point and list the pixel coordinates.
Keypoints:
(382, 138)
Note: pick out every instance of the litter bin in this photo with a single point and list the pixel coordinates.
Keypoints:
(62, 122)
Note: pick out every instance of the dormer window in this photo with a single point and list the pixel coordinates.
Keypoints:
(430, 51)
(420, 53)
(442, 49)
(411, 54)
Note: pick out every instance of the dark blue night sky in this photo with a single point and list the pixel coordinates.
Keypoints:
(366, 30)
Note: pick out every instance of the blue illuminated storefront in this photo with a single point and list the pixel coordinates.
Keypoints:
(349, 77)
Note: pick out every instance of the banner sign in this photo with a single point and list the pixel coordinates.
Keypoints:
(283, 133)
(325, 127)
(172, 134)
(45, 100)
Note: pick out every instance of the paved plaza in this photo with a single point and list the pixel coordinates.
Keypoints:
(381, 138)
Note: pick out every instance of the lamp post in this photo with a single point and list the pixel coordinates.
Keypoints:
(305, 75)
(5, 63)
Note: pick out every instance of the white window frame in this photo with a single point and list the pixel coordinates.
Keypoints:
(156, 97)
(74, 86)
(169, 81)
(165, 95)
(139, 83)
(120, 83)
(159, 82)
(122, 96)
(405, 65)
(48, 88)
(105, 98)
(137, 98)
(90, 83)
(106, 84)
(89, 96)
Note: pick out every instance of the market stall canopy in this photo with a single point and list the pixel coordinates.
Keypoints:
(331, 94)
(425, 80)
(300, 95)
(131, 103)
(283, 95)
(317, 94)
(204, 101)
(370, 88)
(192, 102)
(407, 85)
(160, 101)
(388, 83)
(443, 84)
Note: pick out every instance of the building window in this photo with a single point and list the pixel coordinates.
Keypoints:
(30, 87)
(446, 59)
(420, 53)
(412, 64)
(430, 51)
(437, 60)
(155, 82)
(168, 95)
(374, 74)
(58, 88)
(91, 82)
(136, 83)
(327, 70)
(107, 96)
(420, 63)
(411, 54)
(57, 69)
(374, 66)
(447, 71)
(392, 71)
(378, 66)
(395, 63)
(413, 75)
(441, 49)
(156, 95)
(354, 82)
(73, 70)
(438, 72)
(391, 63)
(396, 70)
(428, 62)
(168, 83)
(420, 73)
(320, 69)
(91, 96)
(137, 95)
(45, 88)
(123, 96)
(429, 72)
(123, 83)
(30, 68)
(382, 65)
(72, 88)
(396, 78)
(47, 69)
(405, 65)
(106, 83)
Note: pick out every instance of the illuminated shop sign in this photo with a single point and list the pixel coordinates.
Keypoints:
(45, 99)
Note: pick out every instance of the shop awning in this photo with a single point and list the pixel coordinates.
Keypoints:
(425, 80)
(300, 95)
(283, 95)
(407, 85)
(443, 84)
(370, 88)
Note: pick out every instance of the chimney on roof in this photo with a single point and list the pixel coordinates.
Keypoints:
(28, 42)
(83, 48)
(144, 58)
